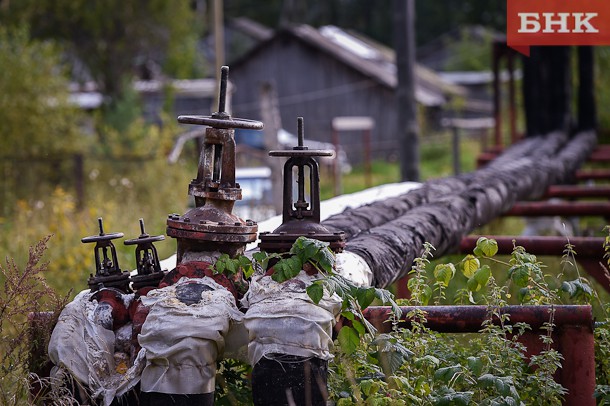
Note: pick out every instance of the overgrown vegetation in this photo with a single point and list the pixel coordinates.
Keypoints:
(489, 368)
(420, 366)
(24, 339)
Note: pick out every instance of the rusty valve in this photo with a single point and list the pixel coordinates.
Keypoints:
(107, 270)
(300, 218)
(215, 190)
(147, 259)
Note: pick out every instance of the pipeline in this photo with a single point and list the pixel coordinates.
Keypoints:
(443, 211)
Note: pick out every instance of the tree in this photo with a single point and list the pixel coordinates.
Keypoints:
(111, 37)
(35, 115)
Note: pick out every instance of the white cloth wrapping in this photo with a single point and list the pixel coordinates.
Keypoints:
(183, 342)
(282, 319)
(86, 350)
(354, 268)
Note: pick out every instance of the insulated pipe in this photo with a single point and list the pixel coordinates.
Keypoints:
(389, 234)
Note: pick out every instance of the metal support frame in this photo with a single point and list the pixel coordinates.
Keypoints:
(549, 208)
(572, 337)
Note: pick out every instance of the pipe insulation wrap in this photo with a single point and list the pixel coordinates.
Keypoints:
(389, 234)
(183, 341)
(84, 348)
(353, 268)
(282, 319)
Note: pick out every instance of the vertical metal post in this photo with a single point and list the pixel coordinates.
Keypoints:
(219, 40)
(368, 171)
(455, 140)
(270, 114)
(577, 345)
(512, 105)
(496, 91)
(586, 91)
(407, 128)
(336, 166)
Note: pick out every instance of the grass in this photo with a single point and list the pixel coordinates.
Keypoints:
(435, 162)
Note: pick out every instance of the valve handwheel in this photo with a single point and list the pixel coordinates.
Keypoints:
(221, 119)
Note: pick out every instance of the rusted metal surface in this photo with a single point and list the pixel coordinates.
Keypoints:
(468, 319)
(573, 336)
(592, 174)
(215, 190)
(110, 300)
(551, 208)
(148, 267)
(300, 217)
(107, 271)
(576, 191)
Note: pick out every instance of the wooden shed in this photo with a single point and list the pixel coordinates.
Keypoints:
(324, 73)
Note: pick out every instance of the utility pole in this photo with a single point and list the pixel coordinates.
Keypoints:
(219, 41)
(407, 127)
(270, 114)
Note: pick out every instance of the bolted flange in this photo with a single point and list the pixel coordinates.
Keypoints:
(147, 259)
(215, 189)
(107, 271)
(300, 217)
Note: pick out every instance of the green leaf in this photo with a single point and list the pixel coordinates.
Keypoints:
(519, 274)
(365, 297)
(390, 353)
(348, 339)
(524, 295)
(475, 365)
(359, 327)
(482, 275)
(504, 385)
(486, 247)
(386, 297)
(447, 373)
(479, 279)
(219, 267)
(315, 291)
(453, 398)
(426, 294)
(348, 315)
(244, 261)
(325, 259)
(231, 266)
(577, 289)
(429, 360)
(473, 285)
(444, 273)
(469, 265)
